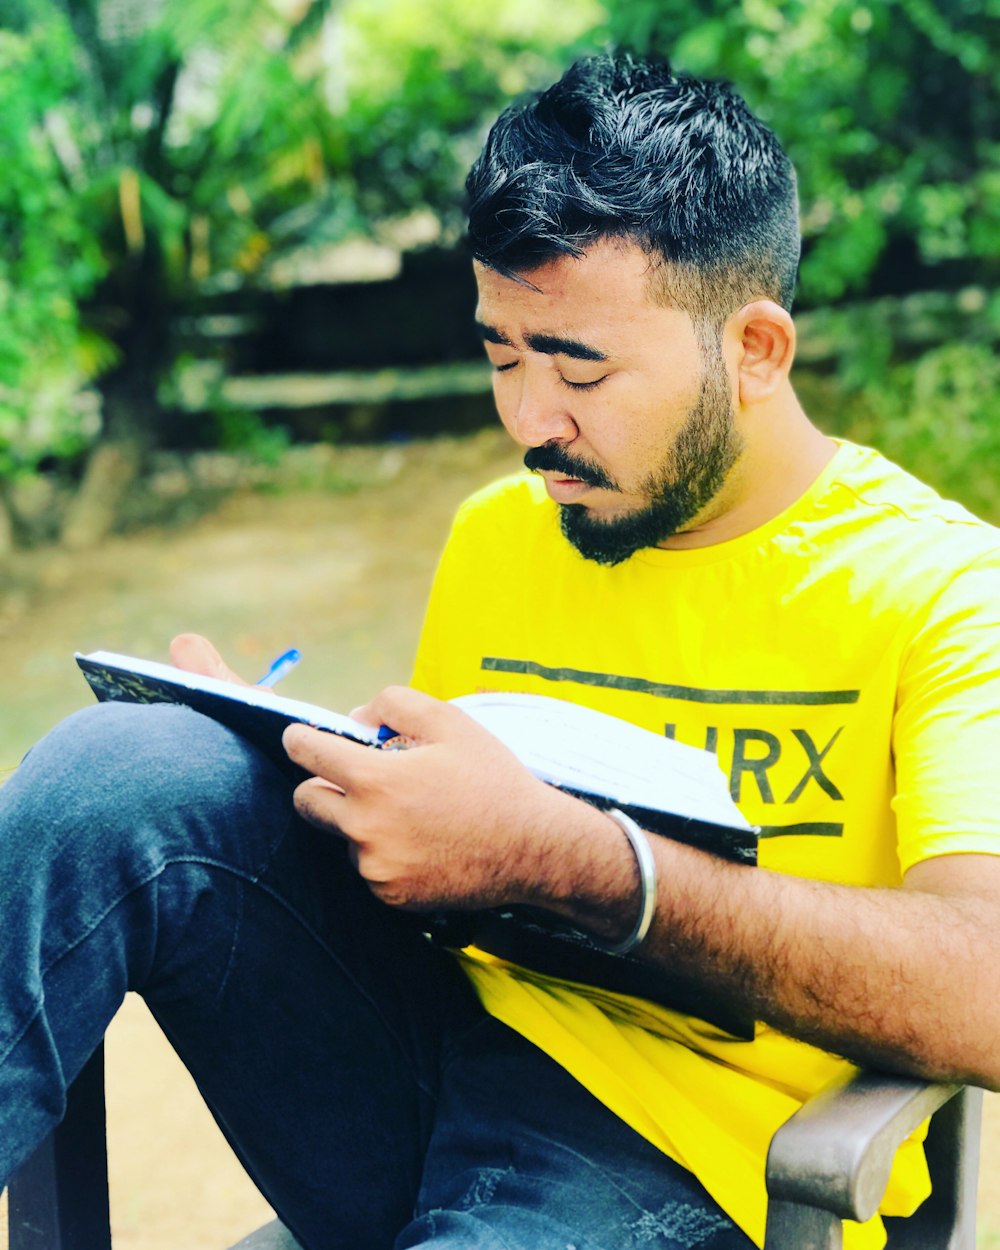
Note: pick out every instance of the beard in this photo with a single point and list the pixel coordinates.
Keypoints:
(690, 476)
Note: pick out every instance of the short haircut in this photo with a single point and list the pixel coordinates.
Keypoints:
(624, 148)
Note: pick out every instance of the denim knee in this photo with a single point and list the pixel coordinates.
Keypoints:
(117, 793)
(126, 838)
(163, 777)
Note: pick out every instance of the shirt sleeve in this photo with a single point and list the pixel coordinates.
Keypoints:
(946, 737)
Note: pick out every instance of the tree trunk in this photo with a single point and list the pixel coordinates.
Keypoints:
(134, 296)
(6, 531)
(111, 469)
(131, 414)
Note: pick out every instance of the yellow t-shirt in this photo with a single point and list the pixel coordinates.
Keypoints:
(842, 661)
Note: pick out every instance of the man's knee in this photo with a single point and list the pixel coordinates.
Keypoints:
(162, 776)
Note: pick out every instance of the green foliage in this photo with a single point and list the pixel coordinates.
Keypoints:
(153, 150)
(416, 85)
(145, 148)
(935, 415)
(48, 261)
(150, 150)
(247, 432)
(887, 109)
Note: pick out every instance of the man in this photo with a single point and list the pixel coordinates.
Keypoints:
(694, 556)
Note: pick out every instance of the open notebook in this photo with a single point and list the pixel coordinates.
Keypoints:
(669, 788)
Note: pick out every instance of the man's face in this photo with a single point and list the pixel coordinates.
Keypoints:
(627, 417)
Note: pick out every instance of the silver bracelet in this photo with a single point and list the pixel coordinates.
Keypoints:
(639, 843)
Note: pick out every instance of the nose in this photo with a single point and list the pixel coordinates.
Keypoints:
(538, 412)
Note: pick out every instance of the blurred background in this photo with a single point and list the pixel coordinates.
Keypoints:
(239, 389)
(233, 225)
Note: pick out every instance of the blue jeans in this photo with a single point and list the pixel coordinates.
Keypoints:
(346, 1059)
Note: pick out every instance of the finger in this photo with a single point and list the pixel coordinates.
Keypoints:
(327, 755)
(325, 806)
(365, 715)
(196, 654)
(411, 713)
(319, 802)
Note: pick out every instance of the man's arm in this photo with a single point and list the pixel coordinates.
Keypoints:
(898, 978)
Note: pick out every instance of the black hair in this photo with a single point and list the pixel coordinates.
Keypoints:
(624, 148)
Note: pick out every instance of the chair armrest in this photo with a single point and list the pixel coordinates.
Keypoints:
(837, 1151)
(831, 1160)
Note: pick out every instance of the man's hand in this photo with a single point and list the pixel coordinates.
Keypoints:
(454, 820)
(195, 654)
(897, 978)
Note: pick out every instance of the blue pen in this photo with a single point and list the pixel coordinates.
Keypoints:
(280, 666)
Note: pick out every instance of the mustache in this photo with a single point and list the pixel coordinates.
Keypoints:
(555, 459)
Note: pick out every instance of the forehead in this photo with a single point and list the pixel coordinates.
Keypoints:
(605, 297)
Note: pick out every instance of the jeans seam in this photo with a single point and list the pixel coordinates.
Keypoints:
(358, 988)
(248, 878)
(98, 920)
(237, 928)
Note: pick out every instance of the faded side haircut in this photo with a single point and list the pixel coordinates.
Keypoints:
(625, 148)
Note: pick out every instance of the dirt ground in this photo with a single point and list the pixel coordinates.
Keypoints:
(342, 577)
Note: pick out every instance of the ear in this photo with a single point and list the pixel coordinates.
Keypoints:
(763, 336)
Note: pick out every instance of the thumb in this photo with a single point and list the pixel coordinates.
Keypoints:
(410, 713)
(196, 654)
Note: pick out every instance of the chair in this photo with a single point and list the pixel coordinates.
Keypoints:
(828, 1163)
(831, 1161)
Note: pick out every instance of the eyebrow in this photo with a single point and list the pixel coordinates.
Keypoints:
(550, 344)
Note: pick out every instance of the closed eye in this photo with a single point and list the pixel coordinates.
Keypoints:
(583, 386)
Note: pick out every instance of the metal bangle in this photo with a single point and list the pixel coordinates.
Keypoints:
(639, 843)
